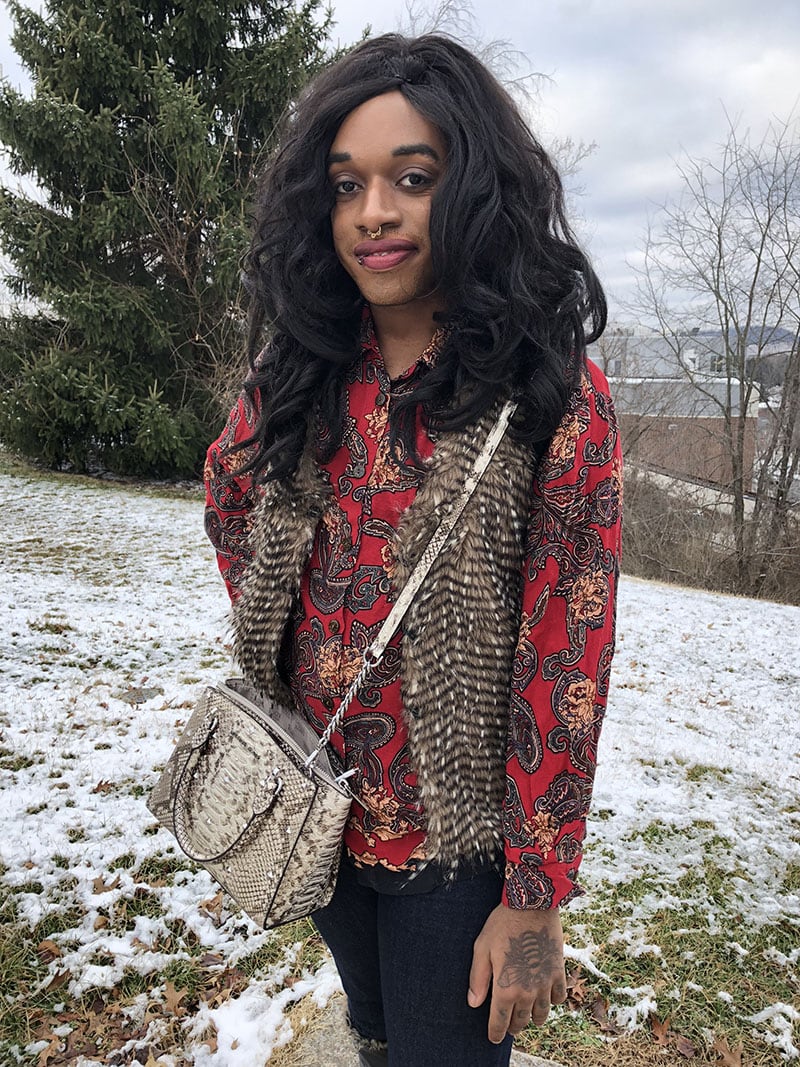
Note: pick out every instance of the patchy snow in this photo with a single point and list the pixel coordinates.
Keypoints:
(113, 613)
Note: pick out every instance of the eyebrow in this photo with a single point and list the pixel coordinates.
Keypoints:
(420, 149)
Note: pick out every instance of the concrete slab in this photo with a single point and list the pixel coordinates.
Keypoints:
(328, 1043)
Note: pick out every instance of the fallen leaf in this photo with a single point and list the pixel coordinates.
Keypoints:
(686, 1047)
(139, 695)
(660, 1030)
(729, 1057)
(213, 906)
(28, 865)
(103, 786)
(99, 885)
(234, 1044)
(599, 1012)
(47, 1054)
(100, 922)
(173, 998)
(58, 979)
(47, 950)
(211, 959)
(576, 988)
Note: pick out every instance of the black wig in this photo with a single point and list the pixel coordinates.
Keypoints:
(516, 287)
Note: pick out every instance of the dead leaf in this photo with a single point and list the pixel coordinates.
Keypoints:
(47, 1054)
(686, 1047)
(58, 979)
(660, 1030)
(103, 786)
(99, 885)
(599, 1012)
(211, 959)
(234, 1043)
(219, 998)
(28, 865)
(47, 950)
(213, 906)
(729, 1057)
(576, 989)
(140, 694)
(100, 922)
(173, 998)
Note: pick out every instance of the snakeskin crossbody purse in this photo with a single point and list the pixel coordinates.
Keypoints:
(254, 795)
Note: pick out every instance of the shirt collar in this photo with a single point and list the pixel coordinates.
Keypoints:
(427, 357)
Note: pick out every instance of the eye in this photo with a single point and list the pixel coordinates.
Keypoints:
(416, 180)
(344, 187)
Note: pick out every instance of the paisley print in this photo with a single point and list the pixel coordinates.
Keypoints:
(560, 674)
(363, 733)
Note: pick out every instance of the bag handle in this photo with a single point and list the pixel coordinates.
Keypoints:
(268, 792)
(375, 652)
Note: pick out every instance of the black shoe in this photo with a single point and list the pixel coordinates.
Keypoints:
(373, 1057)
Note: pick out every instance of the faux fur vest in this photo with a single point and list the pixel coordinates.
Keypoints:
(459, 636)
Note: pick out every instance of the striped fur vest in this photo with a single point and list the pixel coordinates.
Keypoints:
(459, 636)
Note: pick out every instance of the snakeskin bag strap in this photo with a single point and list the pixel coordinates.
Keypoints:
(374, 653)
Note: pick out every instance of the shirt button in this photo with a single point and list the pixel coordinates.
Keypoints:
(381, 399)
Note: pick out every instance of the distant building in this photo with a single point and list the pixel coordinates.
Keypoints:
(677, 407)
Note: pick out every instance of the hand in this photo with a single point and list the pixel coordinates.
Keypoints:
(522, 953)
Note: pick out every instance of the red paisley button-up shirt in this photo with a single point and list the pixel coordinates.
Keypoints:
(560, 676)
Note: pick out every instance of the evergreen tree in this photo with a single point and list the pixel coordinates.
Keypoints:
(146, 124)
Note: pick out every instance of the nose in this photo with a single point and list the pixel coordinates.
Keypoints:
(379, 206)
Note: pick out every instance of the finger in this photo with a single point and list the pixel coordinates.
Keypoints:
(519, 1020)
(500, 1015)
(541, 1009)
(558, 994)
(479, 977)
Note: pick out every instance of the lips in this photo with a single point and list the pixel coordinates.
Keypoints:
(383, 255)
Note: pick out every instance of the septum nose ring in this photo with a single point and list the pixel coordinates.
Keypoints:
(374, 234)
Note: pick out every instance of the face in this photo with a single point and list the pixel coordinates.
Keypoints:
(385, 164)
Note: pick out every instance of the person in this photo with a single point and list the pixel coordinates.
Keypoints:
(412, 268)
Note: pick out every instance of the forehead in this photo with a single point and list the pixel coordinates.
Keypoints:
(383, 123)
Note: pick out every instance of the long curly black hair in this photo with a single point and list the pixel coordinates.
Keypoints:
(518, 291)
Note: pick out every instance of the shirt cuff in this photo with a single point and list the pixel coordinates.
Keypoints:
(531, 884)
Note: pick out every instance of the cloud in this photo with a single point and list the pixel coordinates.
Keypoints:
(646, 82)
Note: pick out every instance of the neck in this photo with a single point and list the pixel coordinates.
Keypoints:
(403, 334)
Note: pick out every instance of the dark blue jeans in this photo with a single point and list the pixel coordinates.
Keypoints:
(404, 962)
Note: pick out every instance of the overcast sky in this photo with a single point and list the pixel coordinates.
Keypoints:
(644, 81)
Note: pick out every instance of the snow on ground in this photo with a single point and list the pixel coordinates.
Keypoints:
(112, 613)
(703, 726)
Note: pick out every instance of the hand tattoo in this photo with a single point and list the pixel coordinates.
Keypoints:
(530, 958)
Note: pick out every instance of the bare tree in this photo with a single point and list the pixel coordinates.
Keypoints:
(509, 64)
(721, 281)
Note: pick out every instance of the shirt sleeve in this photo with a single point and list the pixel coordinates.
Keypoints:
(231, 495)
(566, 642)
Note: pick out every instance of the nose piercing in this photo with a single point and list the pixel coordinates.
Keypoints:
(374, 234)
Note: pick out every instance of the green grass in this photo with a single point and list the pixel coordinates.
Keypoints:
(791, 877)
(697, 954)
(19, 467)
(14, 761)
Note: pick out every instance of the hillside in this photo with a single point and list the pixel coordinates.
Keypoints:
(112, 613)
